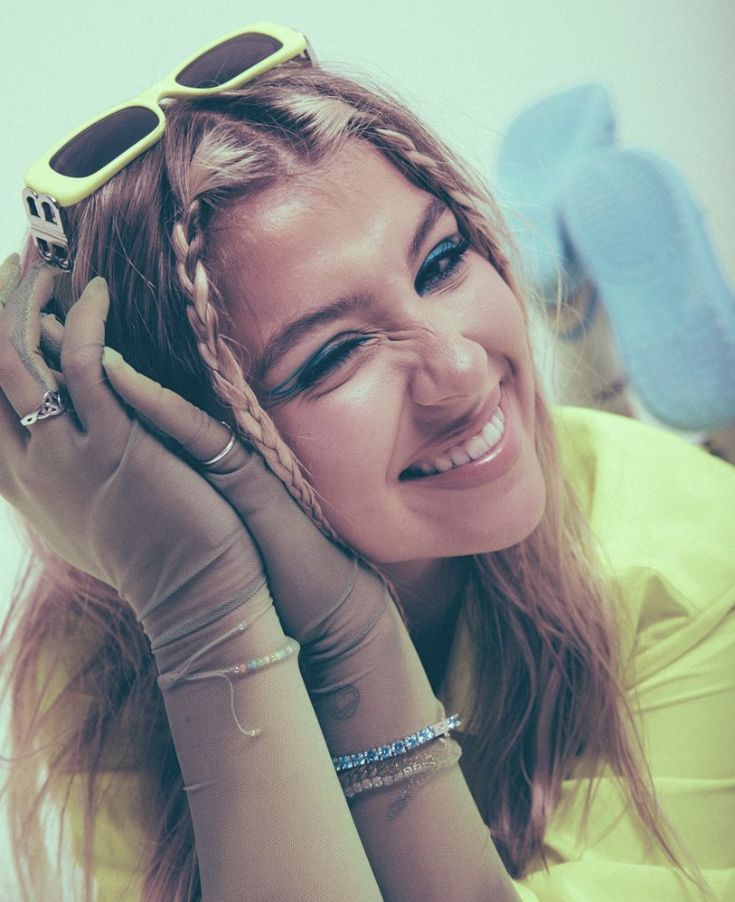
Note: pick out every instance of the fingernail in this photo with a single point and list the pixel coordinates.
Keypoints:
(97, 288)
(12, 260)
(98, 285)
(9, 275)
(10, 265)
(111, 358)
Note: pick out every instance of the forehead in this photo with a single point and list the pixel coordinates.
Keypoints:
(357, 178)
(322, 234)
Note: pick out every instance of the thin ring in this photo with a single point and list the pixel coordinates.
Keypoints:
(52, 404)
(224, 452)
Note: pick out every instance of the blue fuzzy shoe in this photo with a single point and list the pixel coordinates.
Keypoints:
(638, 233)
(541, 151)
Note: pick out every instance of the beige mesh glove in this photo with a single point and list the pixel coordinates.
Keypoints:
(131, 537)
(362, 670)
(115, 502)
(365, 679)
(101, 490)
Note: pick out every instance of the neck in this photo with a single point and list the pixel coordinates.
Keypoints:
(431, 593)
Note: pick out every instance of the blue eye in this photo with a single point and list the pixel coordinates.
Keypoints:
(444, 261)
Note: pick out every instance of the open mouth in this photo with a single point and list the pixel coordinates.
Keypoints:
(473, 448)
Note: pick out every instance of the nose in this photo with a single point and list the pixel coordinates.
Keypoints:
(450, 370)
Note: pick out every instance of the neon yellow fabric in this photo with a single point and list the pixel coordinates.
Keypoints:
(663, 512)
(664, 515)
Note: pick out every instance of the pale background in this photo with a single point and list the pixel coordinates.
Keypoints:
(467, 68)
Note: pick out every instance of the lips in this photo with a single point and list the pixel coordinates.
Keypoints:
(471, 442)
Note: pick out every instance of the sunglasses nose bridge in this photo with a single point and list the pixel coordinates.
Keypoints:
(151, 96)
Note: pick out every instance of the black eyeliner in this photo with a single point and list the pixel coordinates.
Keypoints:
(451, 250)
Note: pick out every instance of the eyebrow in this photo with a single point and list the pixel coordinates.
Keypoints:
(293, 331)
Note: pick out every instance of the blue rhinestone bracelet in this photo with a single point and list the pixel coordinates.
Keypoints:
(399, 747)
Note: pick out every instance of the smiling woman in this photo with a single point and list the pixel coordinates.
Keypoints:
(386, 331)
(296, 257)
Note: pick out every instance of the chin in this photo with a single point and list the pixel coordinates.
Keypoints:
(517, 522)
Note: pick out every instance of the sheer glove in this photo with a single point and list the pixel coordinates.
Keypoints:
(269, 816)
(111, 499)
(143, 493)
(366, 681)
(101, 490)
(326, 598)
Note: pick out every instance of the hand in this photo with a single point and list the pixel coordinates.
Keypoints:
(100, 489)
(325, 598)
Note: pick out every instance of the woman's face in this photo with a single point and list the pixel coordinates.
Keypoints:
(382, 347)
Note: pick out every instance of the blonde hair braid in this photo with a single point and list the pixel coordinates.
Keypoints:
(230, 385)
(467, 200)
(228, 380)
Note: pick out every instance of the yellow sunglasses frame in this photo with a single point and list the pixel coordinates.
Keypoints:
(47, 192)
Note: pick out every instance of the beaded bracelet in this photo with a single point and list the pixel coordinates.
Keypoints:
(290, 647)
(399, 746)
(445, 753)
(244, 667)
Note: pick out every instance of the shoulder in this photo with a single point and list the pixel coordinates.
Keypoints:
(663, 513)
(604, 452)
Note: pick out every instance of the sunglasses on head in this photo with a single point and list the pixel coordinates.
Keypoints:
(92, 154)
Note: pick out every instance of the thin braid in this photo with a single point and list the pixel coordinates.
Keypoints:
(466, 199)
(228, 380)
(231, 387)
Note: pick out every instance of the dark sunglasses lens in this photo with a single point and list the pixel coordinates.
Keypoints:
(102, 142)
(227, 60)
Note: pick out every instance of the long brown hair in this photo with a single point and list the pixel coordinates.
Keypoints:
(543, 605)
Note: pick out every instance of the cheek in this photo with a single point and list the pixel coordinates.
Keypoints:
(485, 310)
(499, 324)
(344, 460)
(343, 443)
(501, 317)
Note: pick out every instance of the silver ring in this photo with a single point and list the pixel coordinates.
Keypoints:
(224, 452)
(52, 405)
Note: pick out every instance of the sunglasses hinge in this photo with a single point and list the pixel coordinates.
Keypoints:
(47, 223)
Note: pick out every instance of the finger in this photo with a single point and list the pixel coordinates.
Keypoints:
(200, 435)
(52, 337)
(81, 364)
(24, 375)
(52, 330)
(9, 277)
(13, 438)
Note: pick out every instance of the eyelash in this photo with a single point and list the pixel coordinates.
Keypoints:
(450, 250)
(454, 252)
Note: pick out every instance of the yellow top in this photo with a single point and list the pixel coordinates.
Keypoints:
(663, 512)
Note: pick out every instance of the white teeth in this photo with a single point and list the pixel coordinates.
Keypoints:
(478, 446)
(472, 449)
(491, 433)
(459, 456)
